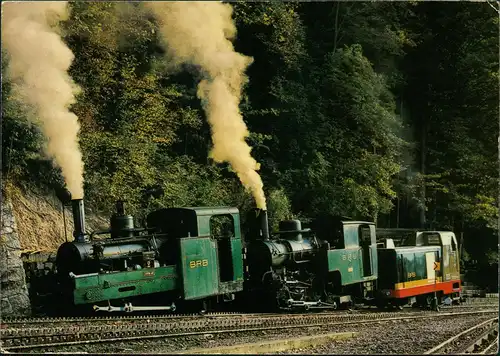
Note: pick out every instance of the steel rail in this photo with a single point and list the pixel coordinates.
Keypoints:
(98, 319)
(449, 342)
(478, 305)
(21, 339)
(491, 347)
(42, 320)
(39, 325)
(485, 340)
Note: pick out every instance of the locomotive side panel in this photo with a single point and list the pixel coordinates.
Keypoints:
(407, 272)
(348, 263)
(199, 267)
(102, 287)
(212, 262)
(237, 257)
(417, 269)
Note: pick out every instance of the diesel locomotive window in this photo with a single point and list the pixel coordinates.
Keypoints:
(221, 226)
(432, 240)
(453, 244)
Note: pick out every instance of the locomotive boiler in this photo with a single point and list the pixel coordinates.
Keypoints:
(128, 248)
(282, 267)
(289, 248)
(92, 269)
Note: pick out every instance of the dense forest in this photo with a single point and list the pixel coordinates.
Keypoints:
(386, 111)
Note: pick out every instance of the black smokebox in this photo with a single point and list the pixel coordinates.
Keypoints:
(79, 220)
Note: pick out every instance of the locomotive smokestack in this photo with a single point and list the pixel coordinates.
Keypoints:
(264, 223)
(79, 220)
(258, 225)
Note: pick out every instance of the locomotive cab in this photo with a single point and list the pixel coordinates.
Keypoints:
(205, 245)
(350, 263)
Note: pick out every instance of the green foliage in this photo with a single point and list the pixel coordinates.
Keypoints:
(459, 113)
(349, 150)
(279, 208)
(278, 27)
(324, 106)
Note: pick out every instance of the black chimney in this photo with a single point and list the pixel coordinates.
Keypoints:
(79, 220)
(263, 223)
(120, 209)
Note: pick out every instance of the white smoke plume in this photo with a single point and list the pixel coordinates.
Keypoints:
(38, 67)
(200, 33)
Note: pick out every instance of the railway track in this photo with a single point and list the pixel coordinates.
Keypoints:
(14, 339)
(481, 338)
(480, 301)
(492, 349)
(22, 322)
(469, 306)
(94, 319)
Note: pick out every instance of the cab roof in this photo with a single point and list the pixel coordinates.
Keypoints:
(356, 222)
(207, 210)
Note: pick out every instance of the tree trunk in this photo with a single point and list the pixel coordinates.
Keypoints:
(397, 214)
(422, 170)
(336, 36)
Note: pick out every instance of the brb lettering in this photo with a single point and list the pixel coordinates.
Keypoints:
(198, 263)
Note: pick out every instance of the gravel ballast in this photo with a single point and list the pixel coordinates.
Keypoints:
(405, 337)
(389, 337)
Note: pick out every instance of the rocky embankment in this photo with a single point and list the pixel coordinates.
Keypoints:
(32, 221)
(13, 290)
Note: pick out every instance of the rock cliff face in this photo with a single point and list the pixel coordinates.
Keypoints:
(39, 220)
(14, 296)
(32, 223)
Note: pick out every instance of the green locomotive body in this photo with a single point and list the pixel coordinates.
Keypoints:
(185, 253)
(99, 287)
(209, 255)
(335, 265)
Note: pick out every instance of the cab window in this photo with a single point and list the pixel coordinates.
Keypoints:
(453, 245)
